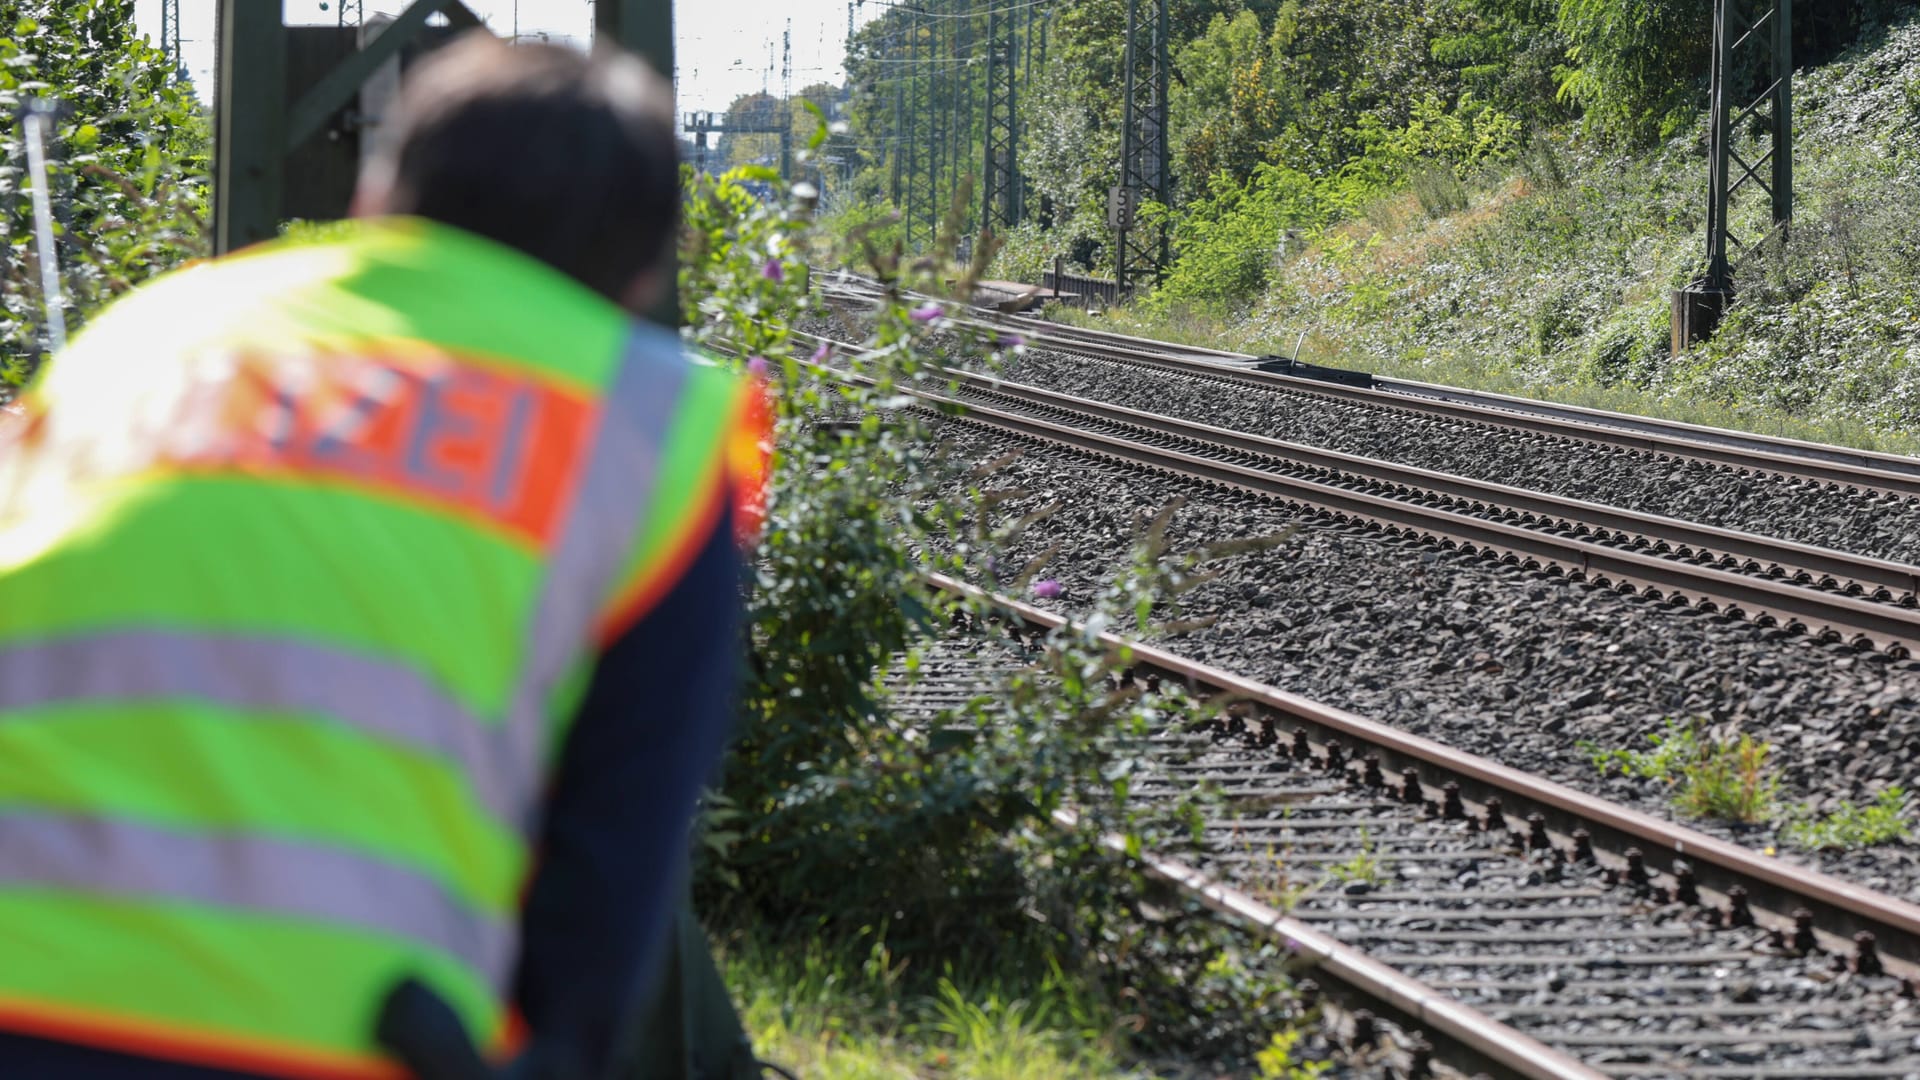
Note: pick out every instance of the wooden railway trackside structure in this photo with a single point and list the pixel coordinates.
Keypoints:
(287, 110)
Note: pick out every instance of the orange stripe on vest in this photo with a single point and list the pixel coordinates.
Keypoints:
(141, 1037)
(476, 440)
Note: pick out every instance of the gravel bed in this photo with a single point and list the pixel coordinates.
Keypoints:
(1613, 976)
(1810, 512)
(1514, 666)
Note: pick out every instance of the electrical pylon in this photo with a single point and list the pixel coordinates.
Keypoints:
(1752, 91)
(1141, 252)
(170, 36)
(1000, 178)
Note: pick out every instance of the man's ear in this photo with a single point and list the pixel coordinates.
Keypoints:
(644, 292)
(369, 199)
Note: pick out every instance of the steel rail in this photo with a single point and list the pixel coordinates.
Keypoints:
(1739, 880)
(1745, 440)
(1483, 1041)
(1863, 623)
(1150, 349)
(1476, 1040)
(1794, 458)
(1577, 414)
(1687, 539)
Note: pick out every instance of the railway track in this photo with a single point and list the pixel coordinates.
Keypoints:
(1519, 927)
(1764, 452)
(1840, 466)
(1870, 603)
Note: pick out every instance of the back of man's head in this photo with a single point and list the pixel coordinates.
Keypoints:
(568, 157)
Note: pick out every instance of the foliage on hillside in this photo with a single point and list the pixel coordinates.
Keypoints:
(1519, 182)
(1349, 94)
(130, 193)
(1553, 279)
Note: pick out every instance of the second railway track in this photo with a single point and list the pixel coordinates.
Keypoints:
(1840, 466)
(1740, 449)
(1864, 601)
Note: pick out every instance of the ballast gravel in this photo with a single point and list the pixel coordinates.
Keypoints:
(1809, 512)
(1517, 667)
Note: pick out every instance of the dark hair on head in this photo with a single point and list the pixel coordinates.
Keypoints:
(568, 157)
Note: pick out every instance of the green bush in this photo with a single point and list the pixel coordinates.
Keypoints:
(1230, 242)
(1887, 818)
(835, 816)
(1726, 778)
(130, 190)
(1631, 346)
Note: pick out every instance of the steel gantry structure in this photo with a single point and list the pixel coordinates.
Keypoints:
(919, 193)
(1141, 250)
(1752, 91)
(953, 70)
(170, 36)
(702, 125)
(1000, 173)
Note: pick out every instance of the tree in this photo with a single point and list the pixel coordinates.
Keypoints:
(736, 148)
(1337, 63)
(1638, 63)
(132, 189)
(1226, 112)
(1508, 54)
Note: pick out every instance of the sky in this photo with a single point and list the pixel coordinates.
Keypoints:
(722, 48)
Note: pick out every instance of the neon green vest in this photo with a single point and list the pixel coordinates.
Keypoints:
(304, 557)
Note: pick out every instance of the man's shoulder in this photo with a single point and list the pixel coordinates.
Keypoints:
(658, 353)
(200, 303)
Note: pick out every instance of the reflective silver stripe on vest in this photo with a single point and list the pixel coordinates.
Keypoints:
(600, 533)
(371, 695)
(260, 875)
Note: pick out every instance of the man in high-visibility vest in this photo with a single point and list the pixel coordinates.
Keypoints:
(369, 612)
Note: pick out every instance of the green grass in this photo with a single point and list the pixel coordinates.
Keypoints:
(1365, 866)
(1206, 329)
(1727, 778)
(1887, 818)
(849, 1011)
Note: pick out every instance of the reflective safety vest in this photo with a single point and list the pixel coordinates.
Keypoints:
(305, 557)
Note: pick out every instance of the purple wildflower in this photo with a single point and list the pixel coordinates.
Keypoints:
(773, 271)
(1048, 589)
(821, 354)
(926, 313)
(1010, 341)
(757, 367)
